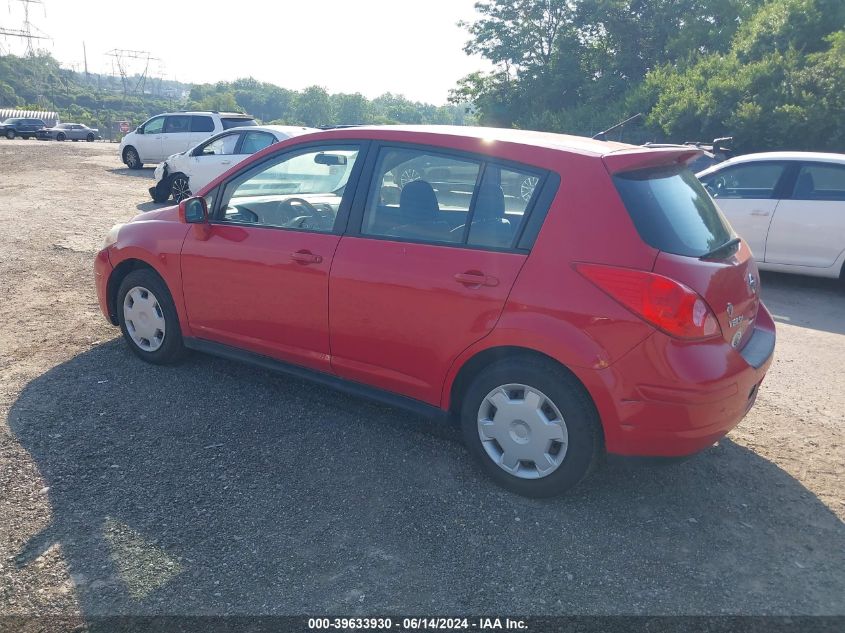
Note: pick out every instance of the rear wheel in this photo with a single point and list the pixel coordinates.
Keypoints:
(180, 187)
(531, 425)
(90, 138)
(148, 318)
(10, 134)
(131, 158)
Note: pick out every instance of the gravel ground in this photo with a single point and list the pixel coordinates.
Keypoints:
(212, 487)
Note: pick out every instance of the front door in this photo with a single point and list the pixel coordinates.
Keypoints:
(746, 194)
(427, 271)
(258, 277)
(213, 158)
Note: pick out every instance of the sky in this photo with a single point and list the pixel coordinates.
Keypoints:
(414, 48)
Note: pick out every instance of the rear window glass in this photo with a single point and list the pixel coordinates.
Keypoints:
(672, 211)
(236, 122)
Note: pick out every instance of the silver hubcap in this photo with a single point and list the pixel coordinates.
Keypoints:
(144, 319)
(131, 158)
(522, 431)
(180, 189)
(528, 186)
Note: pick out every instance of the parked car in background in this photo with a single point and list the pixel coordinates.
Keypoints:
(193, 169)
(72, 132)
(23, 127)
(173, 132)
(550, 337)
(788, 206)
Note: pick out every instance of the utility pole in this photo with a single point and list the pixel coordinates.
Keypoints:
(85, 59)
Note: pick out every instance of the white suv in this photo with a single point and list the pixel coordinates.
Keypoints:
(174, 132)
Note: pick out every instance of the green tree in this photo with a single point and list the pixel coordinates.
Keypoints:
(313, 107)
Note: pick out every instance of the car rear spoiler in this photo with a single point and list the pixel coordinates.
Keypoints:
(648, 157)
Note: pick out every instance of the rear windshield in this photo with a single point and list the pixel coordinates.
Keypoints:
(236, 122)
(672, 211)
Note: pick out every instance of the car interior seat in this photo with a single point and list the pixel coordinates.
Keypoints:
(419, 208)
(805, 186)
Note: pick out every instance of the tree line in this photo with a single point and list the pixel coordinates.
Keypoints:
(770, 73)
(38, 82)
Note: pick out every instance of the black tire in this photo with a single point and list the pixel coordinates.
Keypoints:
(179, 187)
(131, 158)
(172, 348)
(10, 134)
(61, 136)
(585, 445)
(90, 138)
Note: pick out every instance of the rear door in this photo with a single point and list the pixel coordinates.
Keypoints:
(202, 127)
(748, 196)
(674, 214)
(425, 270)
(176, 136)
(809, 226)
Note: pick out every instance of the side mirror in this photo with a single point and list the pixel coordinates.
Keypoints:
(193, 211)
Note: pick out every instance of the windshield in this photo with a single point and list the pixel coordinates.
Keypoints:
(672, 211)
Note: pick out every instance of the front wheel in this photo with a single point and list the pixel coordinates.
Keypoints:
(532, 426)
(148, 318)
(60, 136)
(90, 138)
(131, 158)
(180, 187)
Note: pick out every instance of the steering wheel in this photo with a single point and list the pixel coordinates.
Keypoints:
(314, 218)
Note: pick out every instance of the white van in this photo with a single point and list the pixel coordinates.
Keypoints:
(173, 132)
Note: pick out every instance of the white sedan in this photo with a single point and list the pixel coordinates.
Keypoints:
(191, 170)
(788, 206)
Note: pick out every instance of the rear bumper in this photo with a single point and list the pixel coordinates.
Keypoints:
(669, 398)
(102, 272)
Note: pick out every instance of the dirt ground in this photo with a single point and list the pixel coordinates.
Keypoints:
(212, 487)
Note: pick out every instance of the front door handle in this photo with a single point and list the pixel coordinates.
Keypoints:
(760, 213)
(475, 278)
(225, 162)
(306, 257)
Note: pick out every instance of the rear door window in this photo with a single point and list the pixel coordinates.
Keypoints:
(202, 124)
(672, 212)
(820, 181)
(230, 122)
(256, 141)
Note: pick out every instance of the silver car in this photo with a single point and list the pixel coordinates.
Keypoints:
(73, 132)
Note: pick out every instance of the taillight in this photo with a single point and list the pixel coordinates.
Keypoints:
(663, 302)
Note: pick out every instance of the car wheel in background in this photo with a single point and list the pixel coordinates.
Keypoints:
(90, 138)
(527, 187)
(61, 136)
(148, 318)
(179, 187)
(10, 134)
(131, 158)
(532, 426)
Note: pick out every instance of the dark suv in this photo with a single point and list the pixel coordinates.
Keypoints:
(25, 128)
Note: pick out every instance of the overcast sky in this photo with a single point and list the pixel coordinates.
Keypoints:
(369, 46)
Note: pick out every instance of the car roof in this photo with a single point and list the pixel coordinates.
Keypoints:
(418, 133)
(240, 115)
(792, 156)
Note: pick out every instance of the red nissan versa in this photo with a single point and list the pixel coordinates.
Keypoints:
(560, 296)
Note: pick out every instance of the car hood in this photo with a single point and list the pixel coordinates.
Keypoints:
(167, 214)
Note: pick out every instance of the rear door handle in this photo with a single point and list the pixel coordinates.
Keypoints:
(306, 257)
(760, 213)
(225, 162)
(474, 278)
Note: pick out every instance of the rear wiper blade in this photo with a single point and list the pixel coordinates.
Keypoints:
(727, 245)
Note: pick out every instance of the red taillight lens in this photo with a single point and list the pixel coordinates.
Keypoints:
(663, 302)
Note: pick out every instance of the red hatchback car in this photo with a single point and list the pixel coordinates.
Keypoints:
(559, 296)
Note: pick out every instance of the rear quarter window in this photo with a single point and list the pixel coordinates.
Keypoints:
(672, 212)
